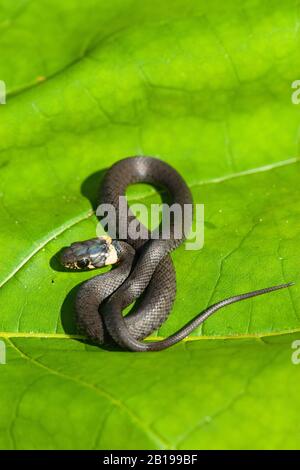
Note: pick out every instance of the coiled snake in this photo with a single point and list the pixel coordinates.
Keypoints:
(144, 269)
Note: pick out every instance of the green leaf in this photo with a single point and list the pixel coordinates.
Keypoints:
(207, 88)
(204, 394)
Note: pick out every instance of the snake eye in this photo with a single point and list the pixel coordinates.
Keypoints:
(83, 263)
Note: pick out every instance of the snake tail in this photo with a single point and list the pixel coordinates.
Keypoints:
(132, 344)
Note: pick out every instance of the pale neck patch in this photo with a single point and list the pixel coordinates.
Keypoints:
(112, 256)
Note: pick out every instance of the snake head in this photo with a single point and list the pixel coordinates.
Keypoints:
(90, 254)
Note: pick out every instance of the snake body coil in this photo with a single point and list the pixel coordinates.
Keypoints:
(144, 267)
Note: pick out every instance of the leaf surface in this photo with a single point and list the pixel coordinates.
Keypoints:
(207, 88)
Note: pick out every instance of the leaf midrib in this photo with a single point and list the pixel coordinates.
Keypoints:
(255, 336)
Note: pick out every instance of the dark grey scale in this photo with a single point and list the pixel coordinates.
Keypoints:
(99, 260)
(95, 250)
(144, 267)
(95, 242)
(79, 249)
(98, 252)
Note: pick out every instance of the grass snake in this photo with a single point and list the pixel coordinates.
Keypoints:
(143, 267)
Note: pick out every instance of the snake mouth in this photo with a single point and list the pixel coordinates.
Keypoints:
(77, 267)
(89, 254)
